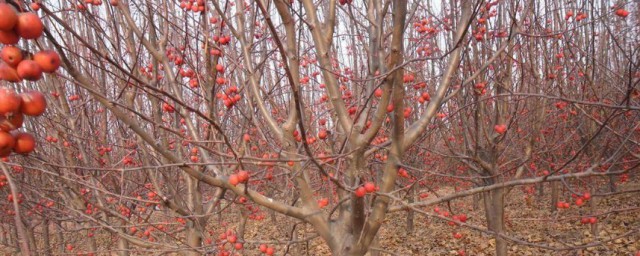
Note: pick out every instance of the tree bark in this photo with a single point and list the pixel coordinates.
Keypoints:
(494, 211)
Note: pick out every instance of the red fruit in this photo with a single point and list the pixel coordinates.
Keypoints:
(369, 187)
(114, 2)
(8, 73)
(238, 246)
(360, 192)
(167, 108)
(586, 196)
(33, 103)
(270, 251)
(29, 70)
(48, 60)
(322, 121)
(593, 220)
(323, 202)
(322, 134)
(457, 235)
(7, 142)
(35, 6)
(9, 17)
(11, 122)
(390, 107)
(233, 179)
(220, 68)
(29, 26)
(9, 101)
(69, 247)
(11, 55)
(584, 220)
(622, 13)
(246, 137)
(243, 176)
(579, 202)
(9, 37)
(263, 248)
(378, 93)
(500, 128)
(568, 15)
(426, 96)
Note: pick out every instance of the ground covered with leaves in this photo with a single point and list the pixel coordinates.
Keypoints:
(530, 220)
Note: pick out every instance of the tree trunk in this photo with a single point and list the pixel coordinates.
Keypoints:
(554, 196)
(612, 184)
(194, 239)
(345, 243)
(123, 244)
(60, 237)
(123, 247)
(410, 214)
(14, 238)
(375, 243)
(31, 238)
(2, 235)
(494, 211)
(46, 249)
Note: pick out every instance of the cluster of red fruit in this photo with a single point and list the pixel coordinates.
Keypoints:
(368, 187)
(240, 177)
(580, 200)
(12, 109)
(588, 220)
(16, 67)
(83, 7)
(192, 5)
(230, 96)
(222, 39)
(422, 27)
(266, 249)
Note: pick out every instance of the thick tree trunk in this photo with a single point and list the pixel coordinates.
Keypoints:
(494, 211)
(345, 242)
(194, 239)
(375, 243)
(123, 247)
(349, 249)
